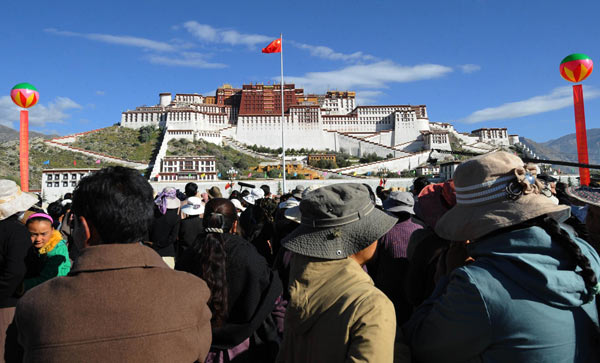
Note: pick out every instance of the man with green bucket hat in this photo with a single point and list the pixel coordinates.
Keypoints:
(335, 312)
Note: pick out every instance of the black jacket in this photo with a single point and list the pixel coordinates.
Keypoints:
(189, 229)
(164, 231)
(15, 241)
(253, 291)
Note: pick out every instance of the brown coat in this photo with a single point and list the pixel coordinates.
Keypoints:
(120, 303)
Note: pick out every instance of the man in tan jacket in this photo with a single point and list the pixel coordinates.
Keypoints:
(335, 312)
(120, 302)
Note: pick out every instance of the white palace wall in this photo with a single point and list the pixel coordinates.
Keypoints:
(383, 138)
(267, 132)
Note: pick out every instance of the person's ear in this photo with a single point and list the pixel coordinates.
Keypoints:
(85, 227)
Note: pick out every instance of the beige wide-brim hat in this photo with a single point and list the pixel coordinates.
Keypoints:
(13, 200)
(494, 191)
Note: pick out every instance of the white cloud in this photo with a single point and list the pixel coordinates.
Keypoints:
(100, 93)
(367, 97)
(374, 75)
(228, 36)
(469, 68)
(39, 115)
(559, 98)
(211, 34)
(118, 39)
(328, 53)
(185, 59)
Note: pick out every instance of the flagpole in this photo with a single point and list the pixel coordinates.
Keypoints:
(282, 117)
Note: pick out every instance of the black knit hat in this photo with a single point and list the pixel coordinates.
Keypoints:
(337, 221)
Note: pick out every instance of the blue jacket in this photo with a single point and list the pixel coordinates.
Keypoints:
(520, 301)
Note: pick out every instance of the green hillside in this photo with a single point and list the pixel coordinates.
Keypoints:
(226, 156)
(125, 143)
(38, 153)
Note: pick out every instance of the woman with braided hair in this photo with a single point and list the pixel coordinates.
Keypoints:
(244, 290)
(513, 286)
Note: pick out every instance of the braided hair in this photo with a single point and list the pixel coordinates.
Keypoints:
(209, 255)
(561, 236)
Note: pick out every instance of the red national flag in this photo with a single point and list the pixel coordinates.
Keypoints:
(273, 47)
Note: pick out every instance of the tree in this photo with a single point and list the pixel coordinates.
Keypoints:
(145, 133)
(324, 164)
(369, 158)
(273, 173)
(241, 164)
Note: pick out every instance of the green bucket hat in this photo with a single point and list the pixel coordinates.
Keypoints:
(337, 221)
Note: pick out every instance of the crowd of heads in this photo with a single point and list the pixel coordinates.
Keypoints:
(407, 241)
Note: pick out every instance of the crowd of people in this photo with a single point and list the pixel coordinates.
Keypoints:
(499, 264)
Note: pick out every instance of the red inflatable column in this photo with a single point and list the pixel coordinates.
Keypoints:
(24, 150)
(582, 148)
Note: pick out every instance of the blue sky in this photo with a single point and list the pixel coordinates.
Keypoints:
(478, 63)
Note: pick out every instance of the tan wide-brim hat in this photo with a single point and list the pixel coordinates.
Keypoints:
(13, 200)
(494, 191)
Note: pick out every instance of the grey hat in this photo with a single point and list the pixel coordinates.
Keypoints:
(337, 221)
(297, 192)
(400, 202)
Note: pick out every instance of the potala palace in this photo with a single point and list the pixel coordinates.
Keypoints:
(251, 115)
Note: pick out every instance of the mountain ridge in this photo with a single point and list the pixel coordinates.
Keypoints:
(9, 134)
(565, 147)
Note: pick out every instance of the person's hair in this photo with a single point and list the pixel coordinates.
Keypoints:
(378, 192)
(266, 189)
(219, 216)
(56, 210)
(561, 236)
(68, 196)
(419, 183)
(191, 189)
(258, 227)
(118, 202)
(235, 195)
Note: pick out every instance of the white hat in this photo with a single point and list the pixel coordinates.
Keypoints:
(13, 200)
(289, 203)
(254, 195)
(193, 207)
(293, 212)
(237, 204)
